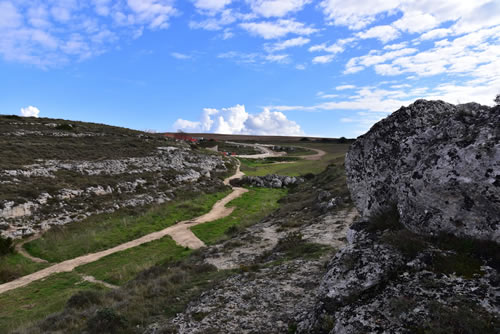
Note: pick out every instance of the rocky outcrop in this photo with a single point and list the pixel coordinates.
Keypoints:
(372, 287)
(268, 181)
(127, 182)
(439, 163)
(432, 263)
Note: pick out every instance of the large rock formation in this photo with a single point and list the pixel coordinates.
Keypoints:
(409, 270)
(439, 163)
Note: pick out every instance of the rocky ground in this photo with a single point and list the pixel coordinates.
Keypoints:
(274, 290)
(122, 168)
(425, 256)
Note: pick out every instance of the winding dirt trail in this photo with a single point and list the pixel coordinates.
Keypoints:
(20, 249)
(180, 232)
(319, 154)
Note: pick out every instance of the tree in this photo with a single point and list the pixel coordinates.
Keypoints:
(497, 100)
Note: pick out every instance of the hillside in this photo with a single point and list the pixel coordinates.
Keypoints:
(399, 235)
(54, 172)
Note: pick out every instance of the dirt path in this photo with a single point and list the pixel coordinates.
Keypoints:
(20, 249)
(319, 154)
(266, 152)
(180, 232)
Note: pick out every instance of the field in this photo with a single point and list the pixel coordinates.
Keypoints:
(334, 153)
(250, 208)
(160, 265)
(105, 231)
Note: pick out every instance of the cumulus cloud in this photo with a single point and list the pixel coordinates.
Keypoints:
(277, 29)
(293, 42)
(384, 33)
(277, 8)
(30, 111)
(211, 5)
(53, 33)
(236, 120)
(180, 56)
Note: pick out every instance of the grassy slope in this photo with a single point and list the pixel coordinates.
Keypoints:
(121, 267)
(250, 208)
(333, 152)
(15, 265)
(39, 299)
(105, 231)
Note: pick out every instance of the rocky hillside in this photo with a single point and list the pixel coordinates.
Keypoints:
(425, 257)
(54, 172)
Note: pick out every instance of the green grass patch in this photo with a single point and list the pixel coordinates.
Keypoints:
(249, 209)
(15, 265)
(155, 294)
(298, 167)
(107, 230)
(123, 266)
(21, 306)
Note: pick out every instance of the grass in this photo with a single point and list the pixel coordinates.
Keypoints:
(39, 299)
(157, 293)
(300, 167)
(105, 231)
(252, 206)
(121, 267)
(15, 265)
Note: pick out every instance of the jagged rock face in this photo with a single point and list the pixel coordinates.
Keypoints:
(439, 163)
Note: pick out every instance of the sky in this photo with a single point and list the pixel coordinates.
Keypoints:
(327, 68)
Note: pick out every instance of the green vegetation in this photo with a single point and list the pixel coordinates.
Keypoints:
(161, 291)
(334, 153)
(98, 141)
(460, 256)
(463, 318)
(6, 246)
(39, 299)
(104, 231)
(121, 267)
(252, 206)
(15, 265)
(293, 246)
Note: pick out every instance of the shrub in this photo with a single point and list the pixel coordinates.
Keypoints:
(6, 246)
(106, 321)
(385, 218)
(497, 100)
(83, 299)
(462, 319)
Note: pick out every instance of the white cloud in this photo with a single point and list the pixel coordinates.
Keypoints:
(323, 59)
(277, 29)
(30, 111)
(53, 33)
(300, 67)
(276, 8)
(416, 22)
(356, 14)
(396, 46)
(281, 58)
(344, 87)
(293, 42)
(236, 120)
(211, 5)
(9, 16)
(384, 33)
(435, 33)
(180, 56)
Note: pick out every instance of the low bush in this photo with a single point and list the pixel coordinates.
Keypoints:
(106, 321)
(385, 218)
(6, 246)
(83, 299)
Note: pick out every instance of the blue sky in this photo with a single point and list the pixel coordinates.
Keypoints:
(297, 67)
